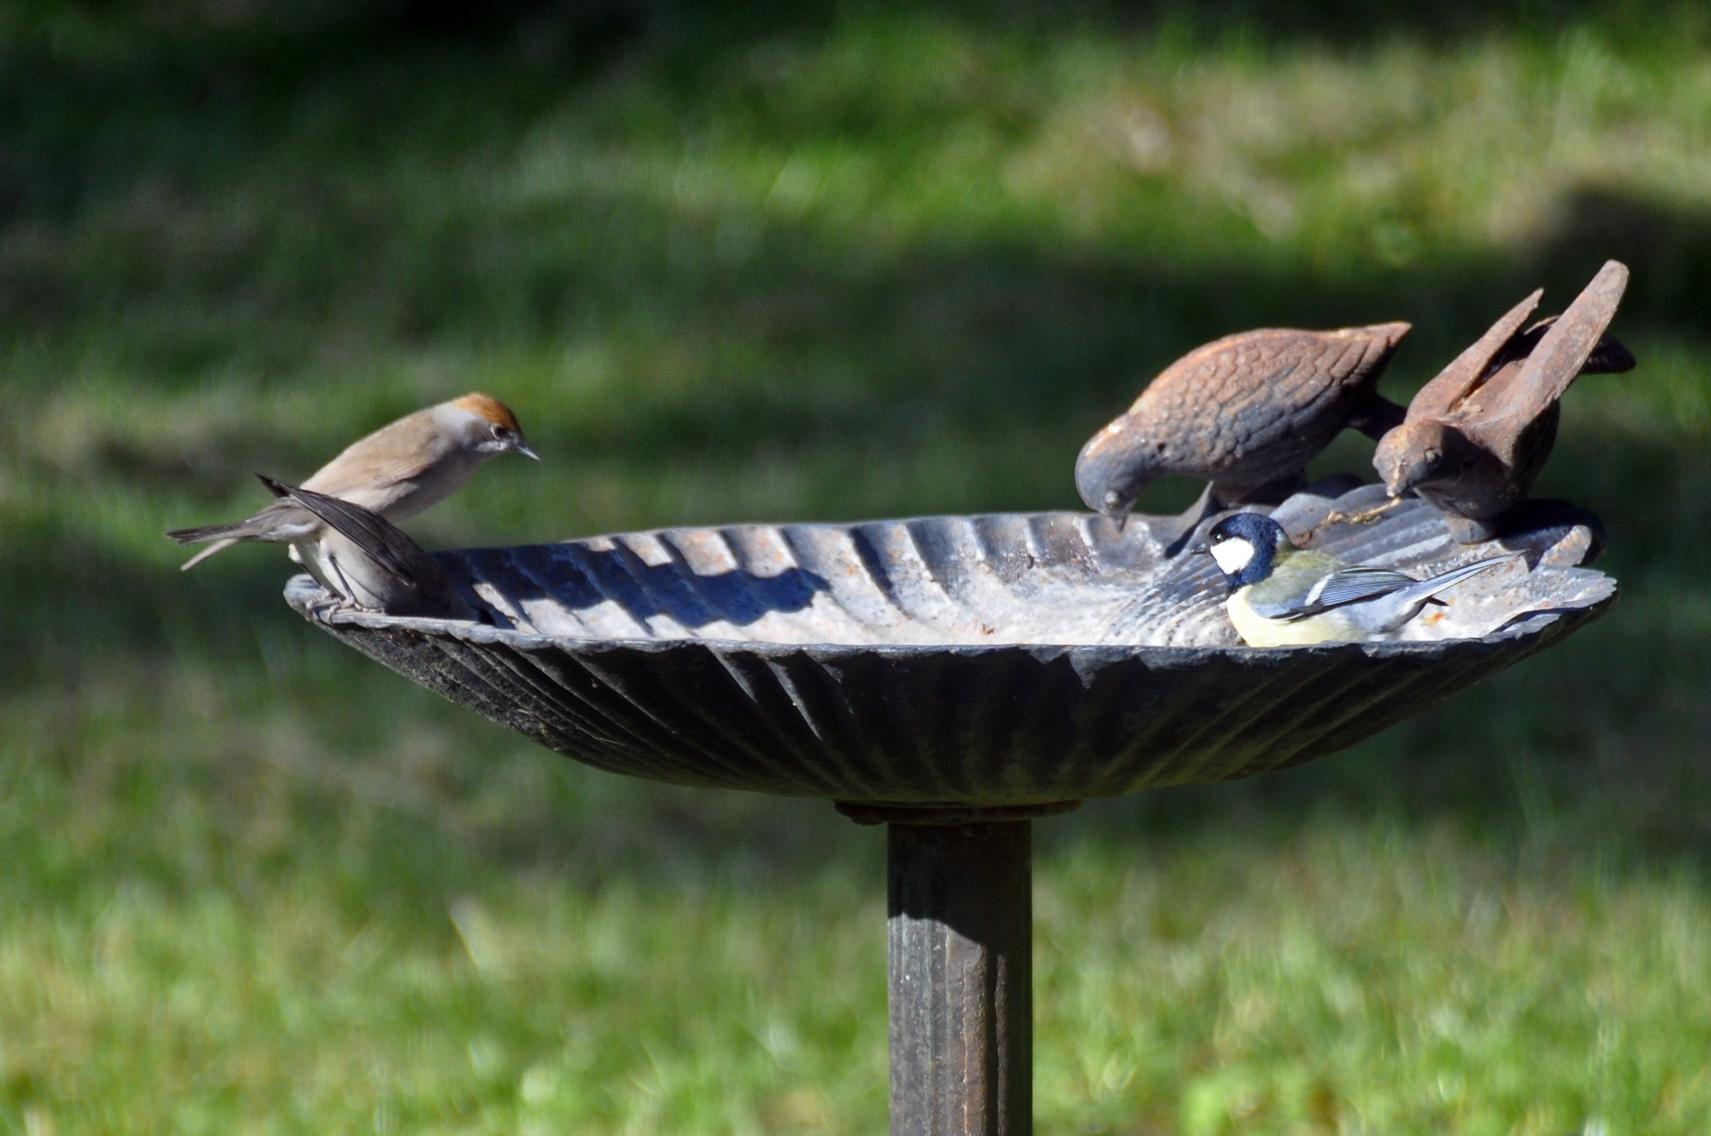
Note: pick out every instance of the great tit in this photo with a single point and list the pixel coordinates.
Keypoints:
(1285, 596)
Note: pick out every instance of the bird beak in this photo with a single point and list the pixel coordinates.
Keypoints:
(524, 449)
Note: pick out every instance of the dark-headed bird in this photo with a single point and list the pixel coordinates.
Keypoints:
(1283, 596)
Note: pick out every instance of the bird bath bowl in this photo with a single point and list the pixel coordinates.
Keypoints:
(953, 677)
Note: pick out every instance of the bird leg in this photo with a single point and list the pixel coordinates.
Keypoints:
(322, 610)
(344, 586)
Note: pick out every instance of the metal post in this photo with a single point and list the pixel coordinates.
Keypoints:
(960, 913)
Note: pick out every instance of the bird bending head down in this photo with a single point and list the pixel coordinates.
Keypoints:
(1245, 414)
(1419, 452)
(1112, 469)
(1476, 437)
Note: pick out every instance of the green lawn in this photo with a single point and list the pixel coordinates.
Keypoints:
(731, 262)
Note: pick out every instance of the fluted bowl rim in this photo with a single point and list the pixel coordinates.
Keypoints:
(1012, 722)
(301, 592)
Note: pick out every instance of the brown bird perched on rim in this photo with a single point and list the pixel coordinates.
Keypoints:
(397, 471)
(1246, 413)
(366, 562)
(1477, 435)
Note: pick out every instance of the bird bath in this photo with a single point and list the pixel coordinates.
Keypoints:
(953, 677)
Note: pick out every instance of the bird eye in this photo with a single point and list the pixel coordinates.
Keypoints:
(501, 433)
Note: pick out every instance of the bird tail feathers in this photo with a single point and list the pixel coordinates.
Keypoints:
(209, 532)
(1455, 576)
(223, 536)
(220, 545)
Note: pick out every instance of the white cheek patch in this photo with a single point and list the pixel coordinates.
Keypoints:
(1233, 555)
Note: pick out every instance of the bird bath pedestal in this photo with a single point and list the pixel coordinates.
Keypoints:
(952, 678)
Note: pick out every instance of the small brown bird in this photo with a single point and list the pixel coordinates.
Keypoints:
(1246, 412)
(367, 562)
(1477, 435)
(397, 471)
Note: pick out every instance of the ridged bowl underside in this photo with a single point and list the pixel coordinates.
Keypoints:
(979, 661)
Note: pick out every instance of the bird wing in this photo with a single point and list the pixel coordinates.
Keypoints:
(1267, 385)
(1466, 371)
(1518, 396)
(370, 532)
(1353, 584)
(1360, 584)
(1350, 584)
(1609, 356)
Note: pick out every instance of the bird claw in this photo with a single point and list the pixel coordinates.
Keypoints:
(1364, 517)
(322, 611)
(1338, 517)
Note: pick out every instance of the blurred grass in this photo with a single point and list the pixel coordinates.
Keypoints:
(732, 262)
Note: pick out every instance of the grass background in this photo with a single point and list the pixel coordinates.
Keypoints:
(733, 262)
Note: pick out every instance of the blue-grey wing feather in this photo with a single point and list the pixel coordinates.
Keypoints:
(1354, 584)
(1351, 584)
(1363, 584)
